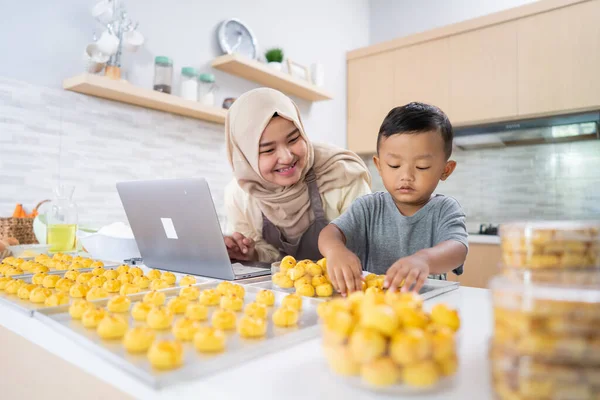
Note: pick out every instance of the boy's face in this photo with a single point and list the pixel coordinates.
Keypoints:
(411, 165)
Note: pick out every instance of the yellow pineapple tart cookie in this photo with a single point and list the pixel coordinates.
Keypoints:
(112, 326)
(123, 269)
(13, 286)
(138, 339)
(249, 327)
(25, 290)
(296, 273)
(177, 305)
(231, 302)
(306, 290)
(318, 280)
(196, 311)
(380, 372)
(256, 310)
(313, 269)
(112, 286)
(293, 301)
(76, 265)
(97, 281)
(39, 295)
(224, 319)
(187, 280)
(49, 281)
(285, 282)
(166, 354)
(410, 346)
(285, 317)
(78, 290)
(38, 268)
(96, 293)
(305, 280)
(125, 277)
(340, 360)
(442, 315)
(276, 277)
(72, 274)
(84, 277)
(92, 317)
(143, 282)
(98, 271)
(155, 298)
(367, 345)
(38, 278)
(380, 317)
(12, 271)
(136, 272)
(209, 340)
(153, 274)
(4, 281)
(168, 277)
(57, 299)
(159, 317)
(140, 310)
(210, 297)
(111, 274)
(190, 292)
(265, 297)
(422, 374)
(128, 288)
(118, 304)
(184, 329)
(288, 262)
(78, 307)
(95, 264)
(324, 290)
(158, 284)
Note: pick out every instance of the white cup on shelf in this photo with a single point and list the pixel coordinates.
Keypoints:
(108, 43)
(133, 40)
(94, 59)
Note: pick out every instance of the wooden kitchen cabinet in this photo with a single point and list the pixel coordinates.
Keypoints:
(559, 59)
(481, 265)
(420, 74)
(483, 74)
(370, 98)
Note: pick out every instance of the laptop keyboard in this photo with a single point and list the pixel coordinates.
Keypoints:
(240, 269)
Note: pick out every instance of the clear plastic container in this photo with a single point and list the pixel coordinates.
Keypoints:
(552, 323)
(206, 89)
(543, 245)
(163, 74)
(569, 276)
(522, 377)
(189, 83)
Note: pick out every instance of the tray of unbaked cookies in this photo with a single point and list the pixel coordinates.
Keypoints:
(49, 289)
(172, 335)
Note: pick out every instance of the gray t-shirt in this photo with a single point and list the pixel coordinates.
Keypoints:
(380, 235)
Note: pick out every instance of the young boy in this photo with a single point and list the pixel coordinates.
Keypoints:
(405, 233)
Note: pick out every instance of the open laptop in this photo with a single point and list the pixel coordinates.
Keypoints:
(176, 228)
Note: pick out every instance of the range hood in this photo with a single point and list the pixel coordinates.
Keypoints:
(555, 129)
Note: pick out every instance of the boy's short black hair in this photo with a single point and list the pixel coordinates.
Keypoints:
(417, 118)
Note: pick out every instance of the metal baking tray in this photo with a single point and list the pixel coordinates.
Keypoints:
(195, 364)
(27, 307)
(107, 265)
(431, 289)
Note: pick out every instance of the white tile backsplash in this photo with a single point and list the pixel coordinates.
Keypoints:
(540, 182)
(49, 135)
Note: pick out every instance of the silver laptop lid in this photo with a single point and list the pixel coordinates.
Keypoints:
(176, 227)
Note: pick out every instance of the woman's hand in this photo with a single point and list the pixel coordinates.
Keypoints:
(240, 247)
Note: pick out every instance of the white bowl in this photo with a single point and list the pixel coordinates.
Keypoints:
(109, 248)
(28, 250)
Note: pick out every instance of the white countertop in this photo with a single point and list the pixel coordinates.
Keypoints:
(299, 372)
(484, 239)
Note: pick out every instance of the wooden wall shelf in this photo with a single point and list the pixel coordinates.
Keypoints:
(267, 76)
(101, 86)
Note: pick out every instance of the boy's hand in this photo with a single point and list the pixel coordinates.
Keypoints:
(412, 269)
(345, 270)
(240, 247)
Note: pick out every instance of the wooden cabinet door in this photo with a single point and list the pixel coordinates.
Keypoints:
(559, 59)
(483, 74)
(370, 98)
(421, 74)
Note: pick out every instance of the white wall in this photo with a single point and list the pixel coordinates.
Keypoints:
(184, 30)
(390, 19)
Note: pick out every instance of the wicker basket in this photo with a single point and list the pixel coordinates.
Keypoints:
(19, 228)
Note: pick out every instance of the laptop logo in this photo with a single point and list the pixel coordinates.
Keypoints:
(169, 228)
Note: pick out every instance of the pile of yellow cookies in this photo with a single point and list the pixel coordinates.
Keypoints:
(387, 338)
(12, 266)
(99, 283)
(307, 277)
(155, 315)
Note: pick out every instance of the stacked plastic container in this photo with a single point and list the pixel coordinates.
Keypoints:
(546, 342)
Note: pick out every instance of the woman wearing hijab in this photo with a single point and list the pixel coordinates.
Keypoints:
(285, 189)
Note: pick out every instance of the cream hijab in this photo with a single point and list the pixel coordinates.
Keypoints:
(286, 207)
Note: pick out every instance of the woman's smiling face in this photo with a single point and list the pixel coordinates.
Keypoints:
(282, 152)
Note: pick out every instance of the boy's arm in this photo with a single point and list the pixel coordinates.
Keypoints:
(343, 266)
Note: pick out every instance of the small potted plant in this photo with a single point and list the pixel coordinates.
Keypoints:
(274, 58)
